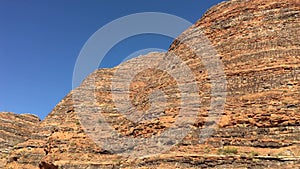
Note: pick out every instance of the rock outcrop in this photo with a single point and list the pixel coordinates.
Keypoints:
(14, 129)
(258, 45)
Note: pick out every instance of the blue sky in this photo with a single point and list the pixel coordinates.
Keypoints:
(41, 40)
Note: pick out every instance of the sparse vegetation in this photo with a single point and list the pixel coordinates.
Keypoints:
(77, 123)
(253, 153)
(243, 155)
(228, 150)
(206, 149)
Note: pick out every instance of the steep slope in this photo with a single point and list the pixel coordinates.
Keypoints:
(258, 44)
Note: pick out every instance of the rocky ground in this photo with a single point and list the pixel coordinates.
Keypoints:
(258, 45)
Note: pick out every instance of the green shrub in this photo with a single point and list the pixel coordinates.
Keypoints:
(228, 150)
(253, 153)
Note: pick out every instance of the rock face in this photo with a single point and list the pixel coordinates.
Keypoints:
(14, 129)
(258, 44)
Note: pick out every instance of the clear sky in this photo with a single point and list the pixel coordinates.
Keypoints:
(41, 40)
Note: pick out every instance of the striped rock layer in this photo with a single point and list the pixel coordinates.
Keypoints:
(245, 54)
(14, 129)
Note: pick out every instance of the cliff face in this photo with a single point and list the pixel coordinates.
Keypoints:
(258, 44)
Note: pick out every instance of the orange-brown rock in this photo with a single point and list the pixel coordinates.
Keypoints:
(258, 44)
(14, 129)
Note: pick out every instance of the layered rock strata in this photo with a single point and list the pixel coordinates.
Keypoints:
(258, 45)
